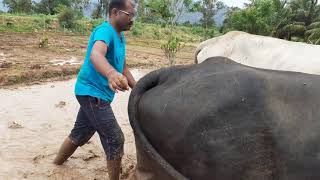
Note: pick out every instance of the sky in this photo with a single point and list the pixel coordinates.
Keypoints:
(1, 6)
(235, 3)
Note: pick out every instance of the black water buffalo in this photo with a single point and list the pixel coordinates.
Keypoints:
(220, 120)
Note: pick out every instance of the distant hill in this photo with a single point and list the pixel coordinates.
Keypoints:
(195, 17)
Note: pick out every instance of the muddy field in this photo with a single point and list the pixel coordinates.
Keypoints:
(34, 122)
(22, 61)
(36, 118)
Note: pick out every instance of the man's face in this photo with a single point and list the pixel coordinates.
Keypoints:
(125, 17)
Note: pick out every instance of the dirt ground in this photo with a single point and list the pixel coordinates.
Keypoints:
(35, 119)
(22, 61)
(34, 122)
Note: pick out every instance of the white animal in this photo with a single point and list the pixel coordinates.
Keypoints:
(262, 52)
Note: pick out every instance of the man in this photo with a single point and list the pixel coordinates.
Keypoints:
(103, 74)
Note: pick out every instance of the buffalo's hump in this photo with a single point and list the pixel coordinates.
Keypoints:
(225, 121)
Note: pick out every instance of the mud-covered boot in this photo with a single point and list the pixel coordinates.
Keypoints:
(66, 150)
(114, 169)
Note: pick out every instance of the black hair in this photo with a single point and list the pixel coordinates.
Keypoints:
(118, 4)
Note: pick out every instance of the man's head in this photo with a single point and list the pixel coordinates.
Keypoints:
(121, 12)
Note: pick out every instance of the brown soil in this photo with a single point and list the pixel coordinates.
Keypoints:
(22, 61)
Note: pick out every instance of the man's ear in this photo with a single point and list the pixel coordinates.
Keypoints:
(114, 11)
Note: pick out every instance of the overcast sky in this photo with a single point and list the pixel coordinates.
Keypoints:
(238, 3)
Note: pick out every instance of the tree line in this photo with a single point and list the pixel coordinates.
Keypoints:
(294, 20)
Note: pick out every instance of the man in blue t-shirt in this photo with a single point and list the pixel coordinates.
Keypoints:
(103, 73)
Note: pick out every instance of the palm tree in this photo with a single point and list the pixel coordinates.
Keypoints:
(305, 10)
(313, 33)
(285, 24)
(297, 18)
(307, 13)
(281, 19)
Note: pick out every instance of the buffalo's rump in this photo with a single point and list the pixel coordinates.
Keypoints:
(225, 121)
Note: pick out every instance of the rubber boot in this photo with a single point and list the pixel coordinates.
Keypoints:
(114, 169)
(66, 150)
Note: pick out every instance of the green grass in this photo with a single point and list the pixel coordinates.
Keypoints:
(28, 76)
(141, 35)
(39, 22)
(25, 23)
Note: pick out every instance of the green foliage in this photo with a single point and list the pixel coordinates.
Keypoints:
(205, 33)
(167, 12)
(81, 27)
(96, 22)
(47, 22)
(170, 47)
(142, 31)
(160, 11)
(163, 11)
(313, 33)
(296, 28)
(292, 20)
(137, 29)
(18, 6)
(44, 41)
(101, 9)
(256, 19)
(156, 34)
(26, 23)
(97, 12)
(208, 8)
(314, 25)
(299, 21)
(66, 17)
(141, 11)
(51, 7)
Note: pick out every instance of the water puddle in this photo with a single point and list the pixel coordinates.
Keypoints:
(60, 62)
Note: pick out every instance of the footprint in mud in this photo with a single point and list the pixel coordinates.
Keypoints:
(91, 156)
(65, 172)
(14, 125)
(87, 156)
(61, 104)
(38, 158)
(25, 175)
(46, 126)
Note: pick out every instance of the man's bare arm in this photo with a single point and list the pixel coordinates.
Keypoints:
(101, 64)
(128, 75)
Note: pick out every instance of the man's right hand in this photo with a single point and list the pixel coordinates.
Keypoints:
(117, 81)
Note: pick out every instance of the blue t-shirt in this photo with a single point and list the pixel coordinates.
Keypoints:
(90, 81)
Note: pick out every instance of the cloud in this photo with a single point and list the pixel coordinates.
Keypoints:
(237, 3)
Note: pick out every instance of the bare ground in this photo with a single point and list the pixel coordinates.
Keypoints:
(22, 61)
(34, 122)
(35, 119)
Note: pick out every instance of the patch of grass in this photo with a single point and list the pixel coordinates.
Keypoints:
(44, 41)
(14, 23)
(35, 75)
(143, 35)
(96, 22)
(137, 29)
(135, 64)
(36, 23)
